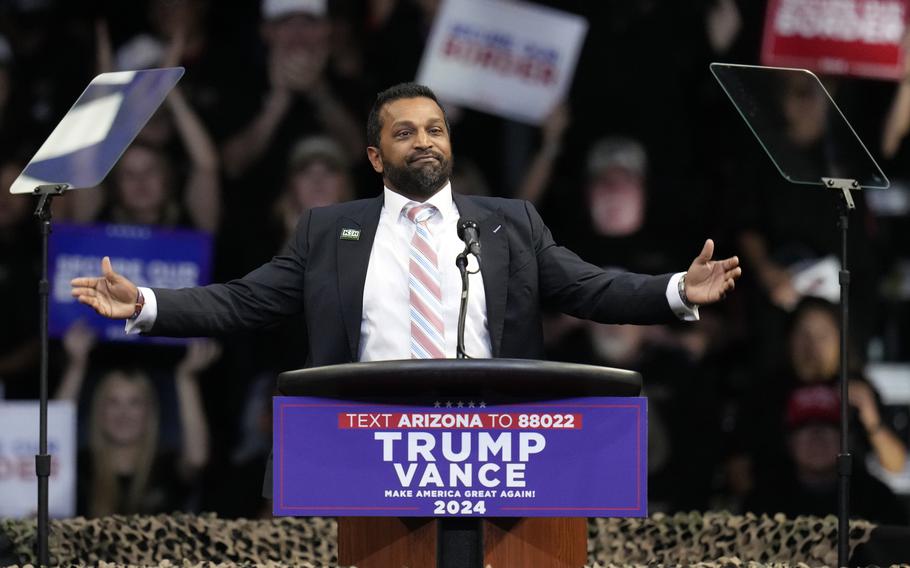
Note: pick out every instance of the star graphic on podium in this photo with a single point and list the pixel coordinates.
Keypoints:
(448, 404)
(482, 404)
(460, 404)
(471, 404)
(437, 404)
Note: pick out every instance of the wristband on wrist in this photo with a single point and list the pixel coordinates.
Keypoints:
(140, 302)
(681, 288)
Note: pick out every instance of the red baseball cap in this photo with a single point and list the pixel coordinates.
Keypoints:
(817, 403)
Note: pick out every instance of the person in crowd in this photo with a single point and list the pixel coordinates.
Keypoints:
(295, 92)
(809, 486)
(301, 97)
(611, 220)
(814, 359)
(124, 470)
(318, 174)
(148, 185)
(144, 191)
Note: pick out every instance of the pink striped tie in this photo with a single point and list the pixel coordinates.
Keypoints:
(427, 328)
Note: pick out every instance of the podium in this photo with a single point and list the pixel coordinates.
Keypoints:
(500, 542)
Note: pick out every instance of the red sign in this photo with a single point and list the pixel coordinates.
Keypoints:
(841, 37)
(461, 420)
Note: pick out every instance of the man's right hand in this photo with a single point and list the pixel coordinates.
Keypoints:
(111, 295)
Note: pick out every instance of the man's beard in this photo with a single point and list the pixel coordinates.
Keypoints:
(420, 180)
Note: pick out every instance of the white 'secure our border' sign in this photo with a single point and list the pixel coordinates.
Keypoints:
(512, 59)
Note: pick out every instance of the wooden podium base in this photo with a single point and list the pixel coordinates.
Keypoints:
(388, 542)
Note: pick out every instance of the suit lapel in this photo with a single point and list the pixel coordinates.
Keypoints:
(495, 262)
(353, 260)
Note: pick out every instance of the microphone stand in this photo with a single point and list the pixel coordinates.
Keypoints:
(461, 261)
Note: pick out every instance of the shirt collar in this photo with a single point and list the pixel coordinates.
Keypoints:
(394, 202)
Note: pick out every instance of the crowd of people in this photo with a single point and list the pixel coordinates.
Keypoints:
(643, 158)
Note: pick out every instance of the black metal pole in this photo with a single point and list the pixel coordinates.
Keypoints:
(844, 459)
(43, 459)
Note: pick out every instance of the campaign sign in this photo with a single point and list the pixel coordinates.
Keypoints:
(18, 447)
(843, 37)
(572, 458)
(493, 56)
(148, 256)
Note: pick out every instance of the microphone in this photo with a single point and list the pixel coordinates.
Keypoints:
(467, 231)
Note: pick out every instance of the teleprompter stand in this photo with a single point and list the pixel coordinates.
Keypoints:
(763, 95)
(45, 194)
(79, 154)
(844, 459)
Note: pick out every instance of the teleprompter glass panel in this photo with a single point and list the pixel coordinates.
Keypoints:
(798, 124)
(93, 135)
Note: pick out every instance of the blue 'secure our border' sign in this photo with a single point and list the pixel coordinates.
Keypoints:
(149, 256)
(571, 458)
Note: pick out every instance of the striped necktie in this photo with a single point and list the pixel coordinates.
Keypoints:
(424, 287)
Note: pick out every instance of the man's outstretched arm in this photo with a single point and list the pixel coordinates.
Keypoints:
(266, 295)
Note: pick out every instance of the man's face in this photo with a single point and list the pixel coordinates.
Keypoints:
(414, 154)
(617, 202)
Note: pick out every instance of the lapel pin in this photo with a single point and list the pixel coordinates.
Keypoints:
(497, 228)
(350, 234)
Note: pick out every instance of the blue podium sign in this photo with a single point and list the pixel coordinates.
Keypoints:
(570, 458)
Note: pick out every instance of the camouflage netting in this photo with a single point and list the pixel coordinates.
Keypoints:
(710, 540)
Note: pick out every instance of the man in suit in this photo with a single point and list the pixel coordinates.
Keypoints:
(376, 278)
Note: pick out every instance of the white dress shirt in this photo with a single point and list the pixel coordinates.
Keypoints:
(385, 329)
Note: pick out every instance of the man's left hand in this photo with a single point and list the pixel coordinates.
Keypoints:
(708, 281)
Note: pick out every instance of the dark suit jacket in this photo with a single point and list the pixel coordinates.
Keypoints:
(321, 276)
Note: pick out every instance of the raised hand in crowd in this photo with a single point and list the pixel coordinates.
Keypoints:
(891, 452)
(897, 122)
(723, 22)
(539, 173)
(78, 342)
(296, 70)
(200, 355)
(774, 278)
